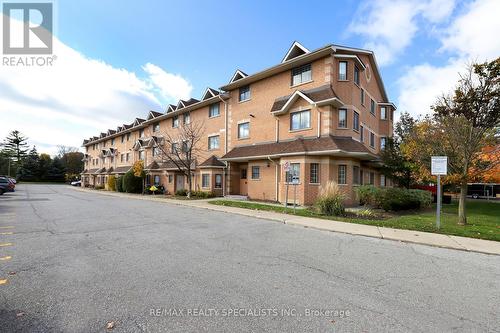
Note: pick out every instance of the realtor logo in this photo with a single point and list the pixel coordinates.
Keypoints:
(27, 28)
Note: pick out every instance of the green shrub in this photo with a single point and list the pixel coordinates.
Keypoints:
(330, 199)
(365, 213)
(403, 199)
(119, 184)
(181, 193)
(369, 195)
(203, 194)
(131, 183)
(111, 183)
(99, 187)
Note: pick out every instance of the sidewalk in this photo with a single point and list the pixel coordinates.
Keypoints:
(409, 236)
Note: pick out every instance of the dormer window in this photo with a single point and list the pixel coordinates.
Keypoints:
(301, 74)
(244, 93)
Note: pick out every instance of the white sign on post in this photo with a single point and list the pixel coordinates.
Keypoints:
(439, 165)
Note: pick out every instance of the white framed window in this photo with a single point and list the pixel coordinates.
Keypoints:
(214, 110)
(142, 154)
(218, 181)
(372, 106)
(355, 175)
(122, 158)
(362, 96)
(362, 133)
(342, 118)
(255, 172)
(342, 174)
(213, 142)
(127, 157)
(157, 180)
(356, 75)
(244, 93)
(372, 139)
(205, 180)
(123, 138)
(300, 120)
(382, 180)
(383, 112)
(175, 121)
(301, 74)
(128, 136)
(156, 127)
(186, 118)
(141, 133)
(156, 151)
(112, 141)
(314, 173)
(343, 70)
(243, 130)
(383, 142)
(355, 120)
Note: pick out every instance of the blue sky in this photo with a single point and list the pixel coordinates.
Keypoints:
(118, 59)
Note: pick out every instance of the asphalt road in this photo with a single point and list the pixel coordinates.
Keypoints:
(82, 260)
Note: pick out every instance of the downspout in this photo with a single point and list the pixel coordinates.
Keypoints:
(276, 190)
(225, 146)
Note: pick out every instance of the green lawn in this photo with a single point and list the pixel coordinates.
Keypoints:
(483, 218)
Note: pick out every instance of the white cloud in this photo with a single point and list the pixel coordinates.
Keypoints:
(390, 26)
(470, 37)
(79, 97)
(475, 33)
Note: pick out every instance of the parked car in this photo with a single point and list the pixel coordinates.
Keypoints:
(76, 183)
(6, 185)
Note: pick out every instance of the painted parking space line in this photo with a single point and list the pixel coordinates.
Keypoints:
(5, 244)
(6, 233)
(7, 227)
(5, 258)
(4, 281)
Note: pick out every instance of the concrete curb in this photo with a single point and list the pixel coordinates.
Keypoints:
(402, 235)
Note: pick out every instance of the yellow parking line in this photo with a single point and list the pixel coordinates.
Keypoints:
(7, 227)
(5, 258)
(5, 244)
(3, 281)
(6, 233)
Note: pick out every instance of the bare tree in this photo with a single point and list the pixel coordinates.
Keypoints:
(182, 149)
(62, 150)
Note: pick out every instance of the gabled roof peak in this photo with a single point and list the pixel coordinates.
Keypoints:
(294, 51)
(238, 75)
(209, 93)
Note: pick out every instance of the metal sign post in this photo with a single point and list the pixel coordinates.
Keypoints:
(439, 166)
(286, 168)
(295, 182)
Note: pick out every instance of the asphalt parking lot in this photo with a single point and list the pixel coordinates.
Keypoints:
(72, 262)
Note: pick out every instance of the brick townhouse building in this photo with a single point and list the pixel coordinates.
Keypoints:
(324, 112)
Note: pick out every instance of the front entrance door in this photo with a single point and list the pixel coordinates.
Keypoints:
(179, 182)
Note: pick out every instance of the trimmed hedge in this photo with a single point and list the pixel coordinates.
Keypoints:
(393, 198)
(131, 183)
(111, 183)
(203, 194)
(119, 184)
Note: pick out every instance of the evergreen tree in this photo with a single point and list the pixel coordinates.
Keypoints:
(15, 145)
(29, 169)
(56, 171)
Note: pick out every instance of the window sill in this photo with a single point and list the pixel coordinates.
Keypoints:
(315, 184)
(339, 80)
(212, 149)
(217, 116)
(247, 138)
(255, 179)
(300, 130)
(246, 100)
(300, 84)
(342, 128)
